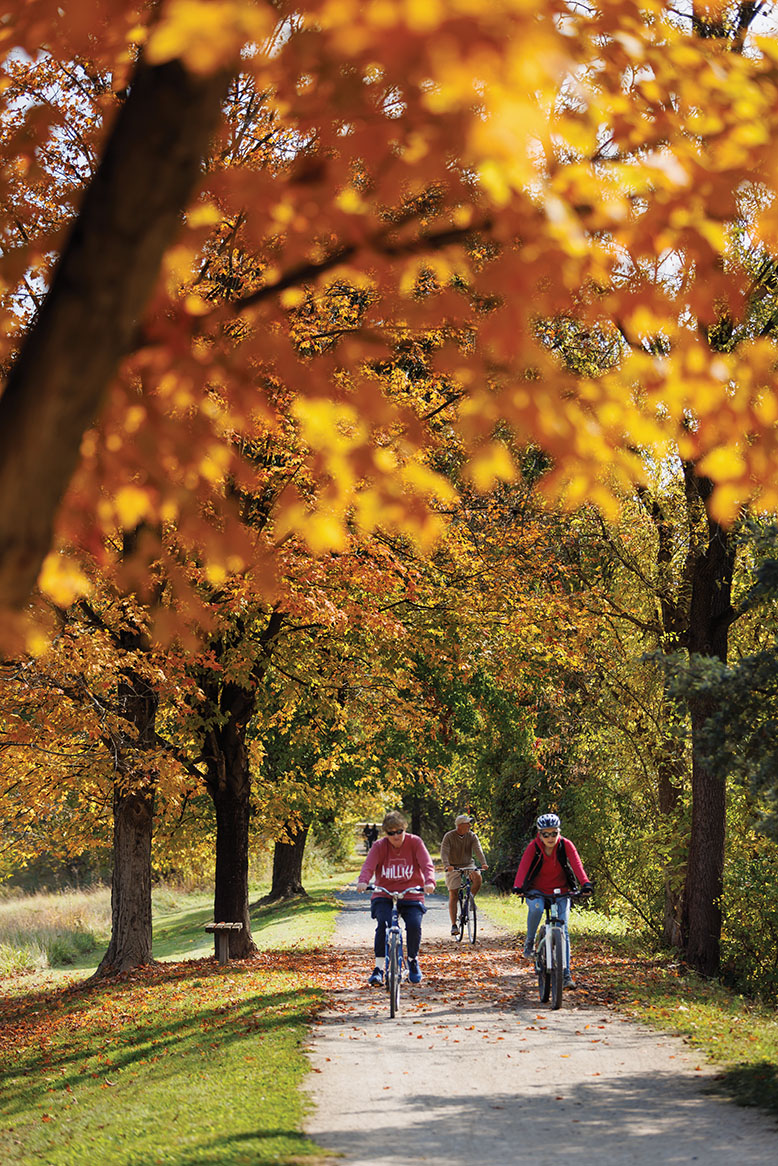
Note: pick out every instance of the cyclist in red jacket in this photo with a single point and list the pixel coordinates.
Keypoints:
(550, 863)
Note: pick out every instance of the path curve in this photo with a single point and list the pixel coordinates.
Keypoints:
(475, 1071)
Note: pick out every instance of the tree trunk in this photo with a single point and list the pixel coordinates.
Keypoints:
(709, 619)
(133, 819)
(415, 813)
(231, 889)
(130, 946)
(674, 601)
(705, 869)
(130, 214)
(288, 867)
(229, 784)
(228, 781)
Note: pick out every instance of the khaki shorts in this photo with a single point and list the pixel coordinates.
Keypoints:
(454, 878)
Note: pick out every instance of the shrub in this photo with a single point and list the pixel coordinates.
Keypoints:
(749, 947)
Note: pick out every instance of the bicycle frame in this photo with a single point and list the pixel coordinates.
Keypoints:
(465, 917)
(550, 947)
(552, 919)
(393, 950)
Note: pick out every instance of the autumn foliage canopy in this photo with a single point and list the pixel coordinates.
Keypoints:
(444, 182)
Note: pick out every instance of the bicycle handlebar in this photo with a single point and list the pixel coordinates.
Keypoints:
(556, 895)
(399, 894)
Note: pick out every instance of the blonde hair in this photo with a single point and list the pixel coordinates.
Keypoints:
(394, 820)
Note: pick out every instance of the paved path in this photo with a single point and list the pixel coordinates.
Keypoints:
(475, 1071)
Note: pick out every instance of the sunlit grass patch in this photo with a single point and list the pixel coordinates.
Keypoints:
(181, 1064)
(48, 935)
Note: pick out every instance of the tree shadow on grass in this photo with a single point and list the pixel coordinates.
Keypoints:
(97, 1030)
(173, 934)
(264, 914)
(222, 1150)
(752, 1085)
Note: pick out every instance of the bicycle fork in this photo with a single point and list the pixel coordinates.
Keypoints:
(545, 947)
(393, 940)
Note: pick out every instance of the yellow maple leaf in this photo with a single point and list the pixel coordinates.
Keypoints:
(492, 464)
(131, 504)
(723, 464)
(62, 580)
(207, 34)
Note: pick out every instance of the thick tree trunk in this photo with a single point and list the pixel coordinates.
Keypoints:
(231, 889)
(133, 820)
(288, 867)
(130, 946)
(229, 784)
(705, 869)
(709, 619)
(228, 781)
(130, 214)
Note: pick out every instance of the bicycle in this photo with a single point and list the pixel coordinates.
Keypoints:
(467, 917)
(393, 952)
(550, 947)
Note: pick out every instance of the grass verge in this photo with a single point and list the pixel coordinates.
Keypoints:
(616, 967)
(35, 930)
(185, 1063)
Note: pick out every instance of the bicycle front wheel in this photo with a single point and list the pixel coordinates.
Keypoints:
(557, 967)
(472, 921)
(544, 976)
(393, 973)
(461, 917)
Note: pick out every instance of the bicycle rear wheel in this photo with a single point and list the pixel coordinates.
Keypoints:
(472, 920)
(544, 977)
(557, 967)
(393, 973)
(461, 917)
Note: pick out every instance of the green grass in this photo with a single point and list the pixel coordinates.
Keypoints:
(53, 939)
(621, 968)
(186, 1063)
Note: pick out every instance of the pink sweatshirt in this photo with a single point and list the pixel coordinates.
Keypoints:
(409, 865)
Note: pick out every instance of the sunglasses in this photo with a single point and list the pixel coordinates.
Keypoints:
(392, 832)
(548, 833)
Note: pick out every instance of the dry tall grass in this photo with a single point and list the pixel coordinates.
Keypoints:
(46, 930)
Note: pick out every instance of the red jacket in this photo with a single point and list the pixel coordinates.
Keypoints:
(560, 870)
(409, 865)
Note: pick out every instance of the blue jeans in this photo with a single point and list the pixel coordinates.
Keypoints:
(536, 910)
(410, 913)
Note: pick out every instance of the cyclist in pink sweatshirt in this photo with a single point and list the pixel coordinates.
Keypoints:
(397, 861)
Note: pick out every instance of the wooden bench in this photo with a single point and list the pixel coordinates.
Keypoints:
(222, 933)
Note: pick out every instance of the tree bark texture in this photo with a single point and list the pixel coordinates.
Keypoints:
(228, 781)
(130, 945)
(229, 784)
(288, 867)
(674, 600)
(709, 619)
(133, 815)
(107, 270)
